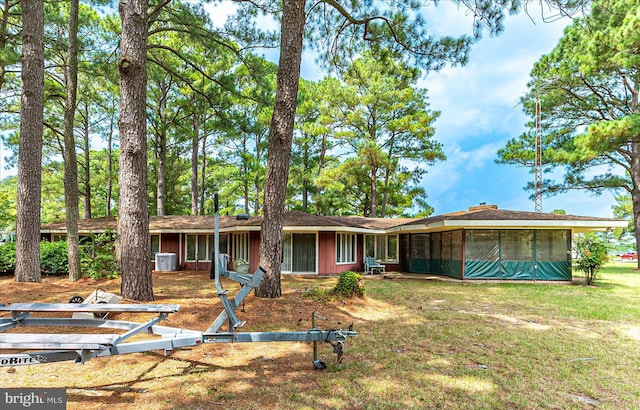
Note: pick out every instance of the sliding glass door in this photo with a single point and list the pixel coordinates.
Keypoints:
(299, 253)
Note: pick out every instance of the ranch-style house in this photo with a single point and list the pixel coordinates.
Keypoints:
(483, 242)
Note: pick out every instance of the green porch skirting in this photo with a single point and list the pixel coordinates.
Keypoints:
(518, 270)
(452, 268)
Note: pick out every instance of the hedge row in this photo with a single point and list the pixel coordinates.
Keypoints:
(97, 257)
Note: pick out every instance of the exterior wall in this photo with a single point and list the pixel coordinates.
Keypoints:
(326, 262)
(327, 255)
(169, 243)
(254, 251)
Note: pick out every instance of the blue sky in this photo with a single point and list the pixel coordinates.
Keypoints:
(480, 113)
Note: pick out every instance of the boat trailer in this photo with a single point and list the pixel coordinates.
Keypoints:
(42, 348)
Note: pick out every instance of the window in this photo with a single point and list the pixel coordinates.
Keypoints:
(392, 248)
(198, 247)
(240, 243)
(345, 248)
(369, 246)
(155, 245)
(382, 247)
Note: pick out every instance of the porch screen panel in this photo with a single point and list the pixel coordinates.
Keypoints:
(445, 254)
(405, 252)
(552, 254)
(552, 245)
(516, 253)
(456, 254)
(304, 252)
(482, 254)
(436, 242)
(482, 245)
(420, 253)
(517, 245)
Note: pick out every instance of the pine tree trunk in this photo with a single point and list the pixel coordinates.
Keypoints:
(162, 152)
(203, 172)
(162, 175)
(110, 164)
(280, 140)
(30, 145)
(133, 214)
(71, 162)
(635, 192)
(194, 165)
(374, 192)
(87, 166)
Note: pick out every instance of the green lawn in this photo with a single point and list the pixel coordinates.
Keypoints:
(434, 344)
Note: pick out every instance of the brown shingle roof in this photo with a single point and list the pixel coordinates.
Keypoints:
(503, 215)
(293, 219)
(371, 223)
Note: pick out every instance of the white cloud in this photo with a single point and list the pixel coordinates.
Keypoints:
(219, 11)
(480, 111)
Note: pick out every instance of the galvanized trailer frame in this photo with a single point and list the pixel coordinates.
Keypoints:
(80, 347)
(41, 348)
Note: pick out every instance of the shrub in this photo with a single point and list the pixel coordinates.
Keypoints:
(54, 259)
(349, 285)
(98, 256)
(592, 253)
(318, 294)
(8, 257)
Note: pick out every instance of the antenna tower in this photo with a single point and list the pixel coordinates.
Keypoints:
(537, 168)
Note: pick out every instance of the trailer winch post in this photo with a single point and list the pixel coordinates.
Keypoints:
(216, 244)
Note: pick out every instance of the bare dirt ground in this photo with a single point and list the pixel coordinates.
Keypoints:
(214, 375)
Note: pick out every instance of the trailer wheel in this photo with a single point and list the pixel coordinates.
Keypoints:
(101, 315)
(76, 299)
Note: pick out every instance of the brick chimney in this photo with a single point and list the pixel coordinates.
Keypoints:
(482, 206)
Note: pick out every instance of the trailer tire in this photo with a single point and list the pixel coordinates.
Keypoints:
(76, 299)
(102, 315)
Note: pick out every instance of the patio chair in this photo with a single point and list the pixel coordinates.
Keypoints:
(371, 266)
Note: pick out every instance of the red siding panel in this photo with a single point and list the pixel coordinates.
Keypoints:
(327, 264)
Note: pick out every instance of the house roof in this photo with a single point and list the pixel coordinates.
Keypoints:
(488, 217)
(492, 217)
